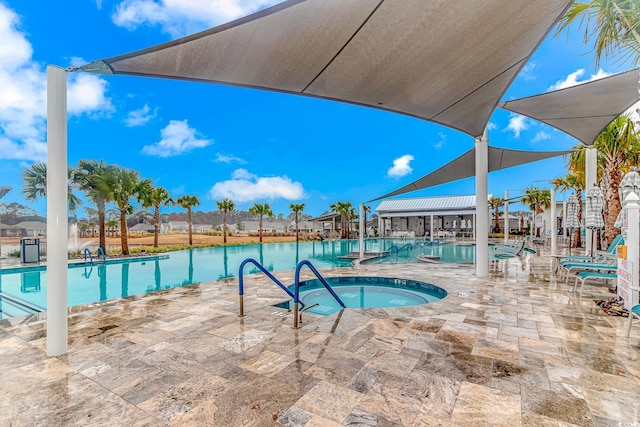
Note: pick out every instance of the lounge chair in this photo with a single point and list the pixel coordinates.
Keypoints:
(633, 314)
(617, 241)
(591, 275)
(501, 251)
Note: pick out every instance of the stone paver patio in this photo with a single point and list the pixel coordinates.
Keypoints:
(516, 349)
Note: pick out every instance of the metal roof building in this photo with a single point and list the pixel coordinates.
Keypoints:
(428, 216)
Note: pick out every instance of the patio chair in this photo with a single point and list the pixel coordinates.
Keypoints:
(634, 314)
(591, 275)
(610, 251)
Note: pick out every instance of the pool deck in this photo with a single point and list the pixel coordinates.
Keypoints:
(515, 349)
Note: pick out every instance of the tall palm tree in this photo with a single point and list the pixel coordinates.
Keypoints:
(537, 199)
(495, 203)
(155, 197)
(86, 175)
(34, 179)
(188, 202)
(260, 210)
(618, 148)
(365, 209)
(296, 209)
(120, 185)
(226, 206)
(344, 210)
(613, 25)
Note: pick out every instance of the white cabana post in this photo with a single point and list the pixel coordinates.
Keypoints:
(564, 220)
(591, 158)
(554, 221)
(506, 217)
(482, 213)
(361, 219)
(57, 329)
(431, 231)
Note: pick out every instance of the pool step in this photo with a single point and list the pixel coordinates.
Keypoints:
(11, 306)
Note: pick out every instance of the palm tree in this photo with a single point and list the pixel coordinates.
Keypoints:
(155, 197)
(365, 210)
(187, 202)
(226, 206)
(86, 175)
(261, 210)
(495, 203)
(344, 209)
(537, 199)
(613, 25)
(296, 209)
(120, 185)
(34, 179)
(618, 148)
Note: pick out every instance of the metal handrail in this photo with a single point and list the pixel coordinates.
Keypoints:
(296, 298)
(409, 247)
(100, 251)
(87, 251)
(264, 270)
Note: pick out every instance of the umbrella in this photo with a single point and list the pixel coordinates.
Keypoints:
(572, 216)
(630, 182)
(594, 220)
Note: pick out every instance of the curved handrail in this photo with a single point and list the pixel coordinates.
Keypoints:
(296, 298)
(87, 251)
(409, 247)
(101, 252)
(264, 270)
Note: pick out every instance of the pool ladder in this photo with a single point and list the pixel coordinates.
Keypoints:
(88, 252)
(409, 247)
(298, 306)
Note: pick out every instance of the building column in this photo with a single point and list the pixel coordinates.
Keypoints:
(506, 217)
(564, 220)
(57, 219)
(591, 158)
(481, 217)
(554, 222)
(431, 229)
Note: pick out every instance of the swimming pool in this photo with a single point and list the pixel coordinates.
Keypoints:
(100, 282)
(366, 292)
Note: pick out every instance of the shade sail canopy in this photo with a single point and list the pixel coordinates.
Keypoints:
(465, 167)
(582, 111)
(447, 61)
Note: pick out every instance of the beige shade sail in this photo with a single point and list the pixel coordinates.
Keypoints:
(582, 111)
(446, 61)
(465, 167)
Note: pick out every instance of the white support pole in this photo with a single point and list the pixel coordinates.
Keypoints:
(380, 226)
(632, 241)
(554, 222)
(57, 329)
(431, 231)
(481, 225)
(506, 217)
(361, 230)
(591, 159)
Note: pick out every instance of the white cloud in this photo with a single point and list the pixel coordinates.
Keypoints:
(437, 145)
(228, 158)
(180, 17)
(541, 136)
(177, 138)
(140, 117)
(528, 71)
(23, 94)
(572, 79)
(517, 124)
(401, 166)
(246, 187)
(491, 126)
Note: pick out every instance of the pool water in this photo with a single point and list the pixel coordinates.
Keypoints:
(121, 278)
(366, 292)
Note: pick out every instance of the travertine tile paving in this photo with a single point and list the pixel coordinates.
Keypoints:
(518, 348)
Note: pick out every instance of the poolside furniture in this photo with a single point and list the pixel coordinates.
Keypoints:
(509, 250)
(592, 275)
(558, 261)
(634, 313)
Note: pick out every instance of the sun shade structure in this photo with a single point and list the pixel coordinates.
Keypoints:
(465, 167)
(446, 61)
(582, 111)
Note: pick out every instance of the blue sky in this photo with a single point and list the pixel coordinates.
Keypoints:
(252, 146)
